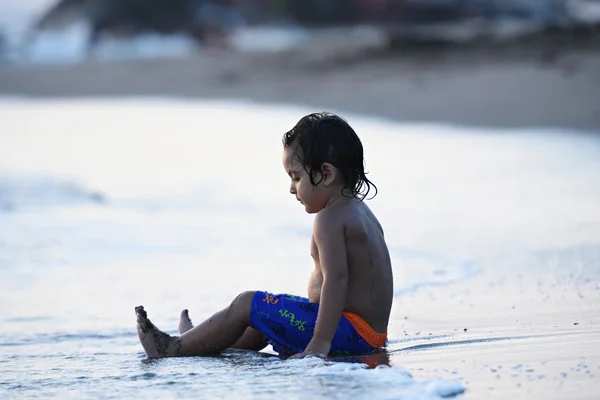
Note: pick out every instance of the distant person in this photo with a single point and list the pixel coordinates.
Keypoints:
(218, 19)
(350, 290)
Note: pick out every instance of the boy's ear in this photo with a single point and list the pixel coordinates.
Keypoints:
(329, 173)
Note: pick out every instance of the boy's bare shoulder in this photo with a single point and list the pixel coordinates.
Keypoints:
(342, 216)
(329, 220)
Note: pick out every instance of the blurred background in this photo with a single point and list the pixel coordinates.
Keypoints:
(475, 62)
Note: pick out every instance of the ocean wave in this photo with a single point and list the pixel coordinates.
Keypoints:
(58, 337)
(390, 382)
(19, 192)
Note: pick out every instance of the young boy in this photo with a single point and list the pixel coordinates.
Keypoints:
(351, 288)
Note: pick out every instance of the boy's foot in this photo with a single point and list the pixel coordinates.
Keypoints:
(185, 323)
(155, 342)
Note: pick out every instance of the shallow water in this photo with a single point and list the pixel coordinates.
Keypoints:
(105, 205)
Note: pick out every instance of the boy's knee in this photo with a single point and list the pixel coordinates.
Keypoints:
(245, 297)
(243, 302)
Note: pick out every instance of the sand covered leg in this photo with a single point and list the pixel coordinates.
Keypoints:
(155, 342)
(217, 333)
(185, 323)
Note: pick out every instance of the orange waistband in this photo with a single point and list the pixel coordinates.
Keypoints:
(374, 339)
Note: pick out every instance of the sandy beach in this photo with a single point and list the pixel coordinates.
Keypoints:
(541, 343)
(527, 326)
(541, 85)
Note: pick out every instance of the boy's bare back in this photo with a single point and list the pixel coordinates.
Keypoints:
(370, 282)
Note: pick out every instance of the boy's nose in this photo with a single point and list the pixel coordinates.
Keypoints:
(292, 189)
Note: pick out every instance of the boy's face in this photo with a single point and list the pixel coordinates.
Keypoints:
(313, 198)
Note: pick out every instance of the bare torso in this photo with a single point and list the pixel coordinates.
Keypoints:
(370, 281)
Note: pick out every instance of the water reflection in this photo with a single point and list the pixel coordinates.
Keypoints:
(372, 360)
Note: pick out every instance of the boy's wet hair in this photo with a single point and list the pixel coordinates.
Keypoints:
(325, 137)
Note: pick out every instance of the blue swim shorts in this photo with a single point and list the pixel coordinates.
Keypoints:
(288, 323)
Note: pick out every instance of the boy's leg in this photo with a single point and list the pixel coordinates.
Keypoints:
(250, 340)
(215, 334)
(185, 323)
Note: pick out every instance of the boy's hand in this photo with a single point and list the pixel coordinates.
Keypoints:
(298, 356)
(316, 348)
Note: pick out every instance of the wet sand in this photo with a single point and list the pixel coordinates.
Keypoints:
(503, 344)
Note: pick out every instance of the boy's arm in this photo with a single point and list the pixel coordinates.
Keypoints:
(331, 243)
